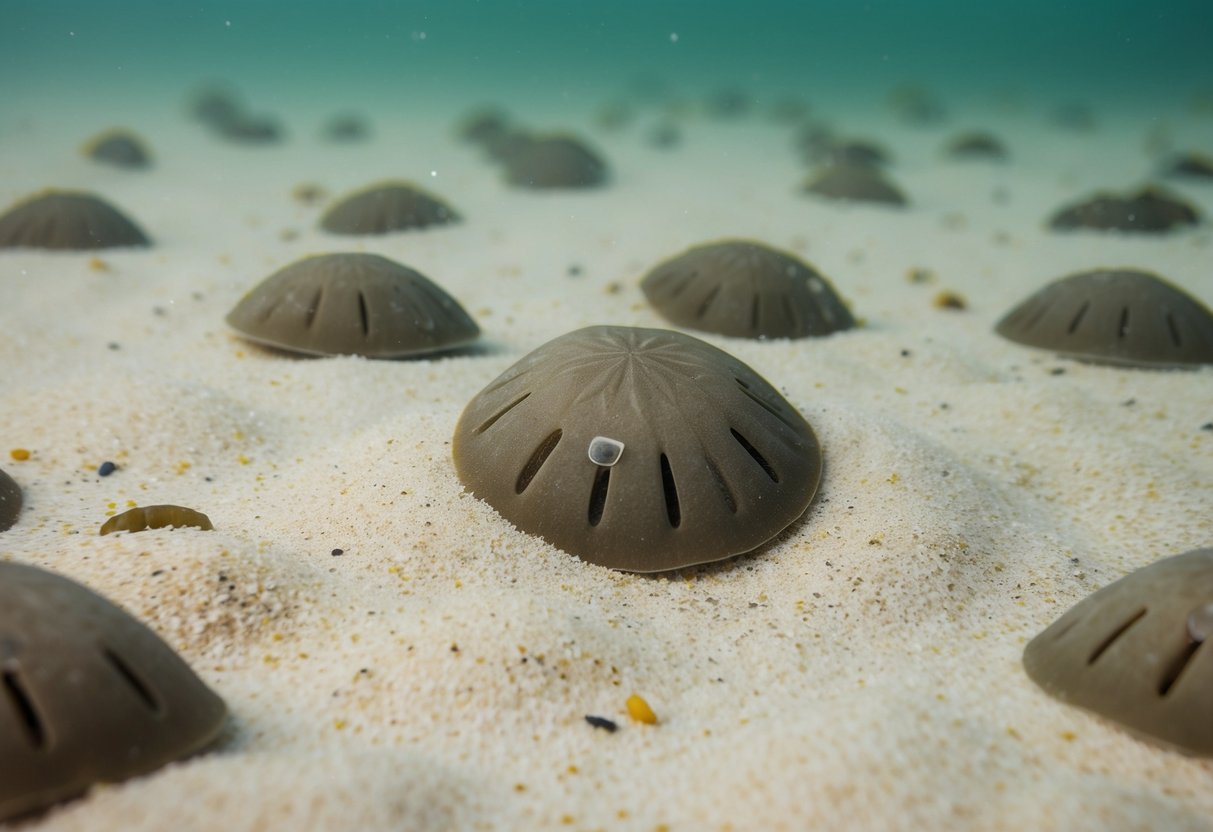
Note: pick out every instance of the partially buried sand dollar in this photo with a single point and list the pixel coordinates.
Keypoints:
(386, 207)
(352, 304)
(976, 145)
(853, 182)
(1139, 652)
(87, 693)
(120, 148)
(745, 289)
(638, 449)
(67, 220)
(1114, 316)
(1149, 210)
(10, 501)
(553, 162)
(1192, 166)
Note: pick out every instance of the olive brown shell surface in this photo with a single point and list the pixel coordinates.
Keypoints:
(142, 518)
(118, 148)
(977, 145)
(638, 449)
(352, 304)
(67, 220)
(1120, 317)
(745, 289)
(1150, 210)
(10, 501)
(1139, 652)
(87, 693)
(855, 183)
(387, 207)
(1190, 165)
(553, 162)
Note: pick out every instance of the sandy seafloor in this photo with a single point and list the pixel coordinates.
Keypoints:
(862, 670)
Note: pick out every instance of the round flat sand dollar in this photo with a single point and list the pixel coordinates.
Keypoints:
(67, 220)
(1149, 210)
(1114, 316)
(1139, 652)
(1193, 166)
(10, 501)
(745, 289)
(387, 207)
(553, 162)
(977, 145)
(119, 148)
(483, 125)
(638, 449)
(352, 304)
(854, 183)
(87, 693)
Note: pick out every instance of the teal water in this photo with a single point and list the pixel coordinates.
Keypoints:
(59, 52)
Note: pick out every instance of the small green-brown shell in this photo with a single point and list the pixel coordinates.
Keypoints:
(155, 517)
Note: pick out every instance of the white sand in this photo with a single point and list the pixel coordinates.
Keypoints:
(861, 671)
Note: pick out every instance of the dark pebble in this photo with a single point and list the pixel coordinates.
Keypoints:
(602, 722)
(338, 552)
(106, 468)
(1207, 426)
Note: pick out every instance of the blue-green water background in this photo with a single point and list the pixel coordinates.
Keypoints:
(58, 53)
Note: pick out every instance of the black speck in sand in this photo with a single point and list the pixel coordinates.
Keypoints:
(106, 468)
(608, 725)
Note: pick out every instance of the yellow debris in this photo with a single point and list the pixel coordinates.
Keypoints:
(19, 454)
(949, 300)
(640, 711)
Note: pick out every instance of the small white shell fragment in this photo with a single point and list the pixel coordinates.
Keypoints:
(1200, 623)
(605, 451)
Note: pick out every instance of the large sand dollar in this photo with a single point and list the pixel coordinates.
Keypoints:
(87, 693)
(638, 449)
